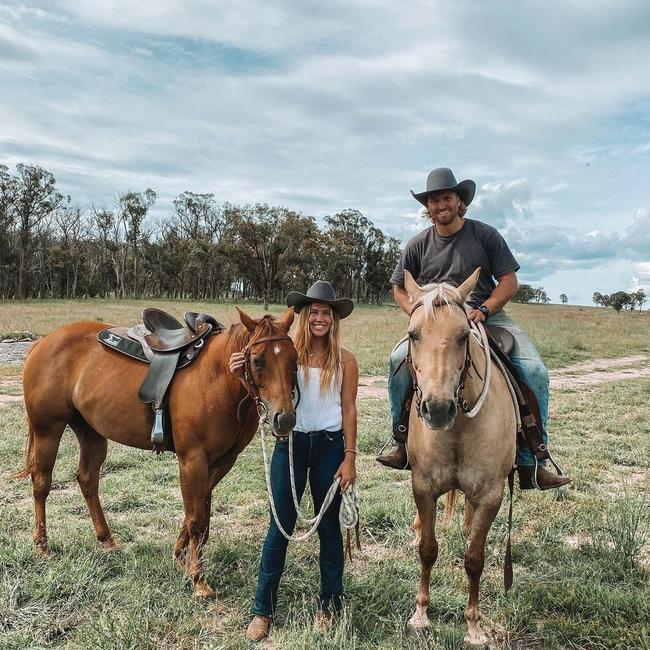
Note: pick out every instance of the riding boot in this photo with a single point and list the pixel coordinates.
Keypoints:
(397, 457)
(258, 628)
(545, 480)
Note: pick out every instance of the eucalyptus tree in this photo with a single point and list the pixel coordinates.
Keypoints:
(132, 211)
(29, 198)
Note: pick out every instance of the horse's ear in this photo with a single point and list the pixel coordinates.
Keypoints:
(468, 286)
(248, 322)
(285, 322)
(411, 286)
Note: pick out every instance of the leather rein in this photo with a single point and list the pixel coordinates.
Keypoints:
(253, 387)
(470, 411)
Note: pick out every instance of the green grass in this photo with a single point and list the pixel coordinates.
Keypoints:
(581, 563)
(563, 334)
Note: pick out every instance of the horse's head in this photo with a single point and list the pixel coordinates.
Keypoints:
(438, 344)
(270, 367)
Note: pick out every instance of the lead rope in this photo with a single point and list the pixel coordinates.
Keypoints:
(348, 512)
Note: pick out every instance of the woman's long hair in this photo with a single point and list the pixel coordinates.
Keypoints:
(331, 365)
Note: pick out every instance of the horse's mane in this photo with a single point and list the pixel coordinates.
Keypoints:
(439, 295)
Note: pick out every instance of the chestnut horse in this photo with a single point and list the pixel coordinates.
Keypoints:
(448, 450)
(71, 379)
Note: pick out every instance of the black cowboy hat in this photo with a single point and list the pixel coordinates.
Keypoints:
(443, 178)
(320, 291)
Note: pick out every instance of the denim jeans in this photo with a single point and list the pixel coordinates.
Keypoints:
(317, 455)
(524, 357)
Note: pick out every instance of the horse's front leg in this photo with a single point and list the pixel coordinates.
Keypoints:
(425, 500)
(481, 515)
(193, 471)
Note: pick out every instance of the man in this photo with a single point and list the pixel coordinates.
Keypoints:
(449, 251)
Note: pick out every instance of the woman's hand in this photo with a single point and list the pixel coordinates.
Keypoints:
(236, 363)
(347, 471)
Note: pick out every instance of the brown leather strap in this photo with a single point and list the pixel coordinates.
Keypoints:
(507, 563)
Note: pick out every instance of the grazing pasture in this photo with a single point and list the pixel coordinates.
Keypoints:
(582, 563)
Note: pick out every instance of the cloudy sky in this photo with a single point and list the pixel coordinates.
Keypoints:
(321, 106)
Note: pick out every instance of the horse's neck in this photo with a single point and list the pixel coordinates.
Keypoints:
(476, 374)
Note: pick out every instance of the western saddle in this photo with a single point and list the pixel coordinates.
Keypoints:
(167, 345)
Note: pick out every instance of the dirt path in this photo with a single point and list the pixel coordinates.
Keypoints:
(580, 376)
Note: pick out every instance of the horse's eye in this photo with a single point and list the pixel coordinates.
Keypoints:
(463, 336)
(258, 362)
(414, 335)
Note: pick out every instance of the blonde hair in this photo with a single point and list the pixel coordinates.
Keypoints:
(331, 364)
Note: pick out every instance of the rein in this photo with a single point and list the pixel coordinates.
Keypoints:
(481, 336)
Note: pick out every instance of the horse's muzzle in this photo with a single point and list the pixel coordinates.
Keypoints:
(438, 413)
(283, 423)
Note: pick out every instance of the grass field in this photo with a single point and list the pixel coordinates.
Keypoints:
(582, 563)
(564, 334)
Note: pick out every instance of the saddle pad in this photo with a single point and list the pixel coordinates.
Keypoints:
(117, 339)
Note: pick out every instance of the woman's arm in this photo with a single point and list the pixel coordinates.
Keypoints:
(347, 470)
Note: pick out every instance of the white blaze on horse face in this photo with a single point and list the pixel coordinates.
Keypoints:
(276, 349)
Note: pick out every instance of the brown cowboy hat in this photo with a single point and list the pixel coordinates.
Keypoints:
(320, 291)
(442, 178)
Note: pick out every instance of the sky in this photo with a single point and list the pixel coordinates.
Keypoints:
(323, 106)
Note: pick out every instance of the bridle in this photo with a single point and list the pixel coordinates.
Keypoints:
(469, 411)
(252, 385)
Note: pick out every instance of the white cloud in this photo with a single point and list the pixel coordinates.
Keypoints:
(323, 106)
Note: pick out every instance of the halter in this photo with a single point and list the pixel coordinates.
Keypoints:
(253, 388)
(458, 393)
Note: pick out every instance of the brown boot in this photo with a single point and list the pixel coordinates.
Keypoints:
(396, 458)
(545, 480)
(323, 620)
(258, 628)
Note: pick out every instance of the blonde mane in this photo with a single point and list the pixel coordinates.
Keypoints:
(439, 295)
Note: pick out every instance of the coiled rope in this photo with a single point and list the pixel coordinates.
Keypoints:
(348, 512)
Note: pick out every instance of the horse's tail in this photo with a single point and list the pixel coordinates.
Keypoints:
(29, 456)
(29, 462)
(451, 500)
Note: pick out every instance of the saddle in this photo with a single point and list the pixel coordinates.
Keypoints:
(501, 345)
(167, 345)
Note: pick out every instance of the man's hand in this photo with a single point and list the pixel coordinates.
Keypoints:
(476, 316)
(347, 471)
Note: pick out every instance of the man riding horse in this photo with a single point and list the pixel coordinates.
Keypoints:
(449, 251)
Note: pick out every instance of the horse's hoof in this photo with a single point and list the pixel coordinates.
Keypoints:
(203, 590)
(417, 626)
(476, 640)
(110, 545)
(43, 550)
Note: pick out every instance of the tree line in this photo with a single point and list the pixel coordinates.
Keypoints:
(50, 248)
(621, 299)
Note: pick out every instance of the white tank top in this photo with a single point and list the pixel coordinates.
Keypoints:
(317, 410)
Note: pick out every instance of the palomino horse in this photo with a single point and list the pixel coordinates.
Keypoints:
(447, 450)
(71, 379)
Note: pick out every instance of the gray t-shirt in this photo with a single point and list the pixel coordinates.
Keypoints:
(432, 258)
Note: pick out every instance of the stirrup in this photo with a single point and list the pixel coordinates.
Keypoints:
(157, 432)
(558, 469)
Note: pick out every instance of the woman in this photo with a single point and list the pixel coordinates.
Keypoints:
(324, 446)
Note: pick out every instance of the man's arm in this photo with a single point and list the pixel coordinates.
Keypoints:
(402, 298)
(506, 288)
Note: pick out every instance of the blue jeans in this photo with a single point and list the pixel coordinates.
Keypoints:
(524, 357)
(317, 455)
